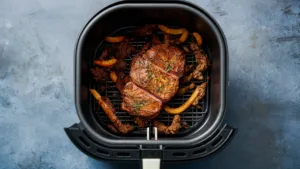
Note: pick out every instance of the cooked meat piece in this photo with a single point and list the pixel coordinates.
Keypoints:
(112, 128)
(172, 129)
(120, 81)
(155, 80)
(127, 79)
(188, 68)
(124, 49)
(145, 30)
(138, 102)
(169, 58)
(142, 123)
(202, 61)
(185, 125)
(103, 54)
(120, 65)
(186, 49)
(110, 111)
(168, 40)
(144, 48)
(155, 40)
(198, 74)
(99, 74)
(201, 95)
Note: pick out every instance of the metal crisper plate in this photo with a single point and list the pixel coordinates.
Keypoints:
(192, 116)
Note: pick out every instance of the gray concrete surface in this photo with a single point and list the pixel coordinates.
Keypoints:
(37, 39)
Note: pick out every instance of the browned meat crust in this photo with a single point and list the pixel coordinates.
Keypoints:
(99, 74)
(111, 113)
(124, 49)
(155, 40)
(120, 65)
(153, 79)
(201, 60)
(145, 30)
(142, 123)
(144, 48)
(138, 102)
(201, 94)
(103, 54)
(112, 128)
(168, 58)
(172, 129)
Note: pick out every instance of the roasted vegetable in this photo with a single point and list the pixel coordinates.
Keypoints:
(110, 112)
(184, 35)
(115, 39)
(198, 38)
(170, 30)
(186, 49)
(198, 94)
(113, 76)
(183, 90)
(105, 63)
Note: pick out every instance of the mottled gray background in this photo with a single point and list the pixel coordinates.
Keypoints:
(37, 39)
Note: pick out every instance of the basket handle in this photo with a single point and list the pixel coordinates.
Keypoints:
(151, 163)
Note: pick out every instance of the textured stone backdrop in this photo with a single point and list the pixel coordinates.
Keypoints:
(37, 40)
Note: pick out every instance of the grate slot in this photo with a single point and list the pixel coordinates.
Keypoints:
(192, 116)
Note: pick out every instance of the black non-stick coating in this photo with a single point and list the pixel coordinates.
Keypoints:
(193, 116)
(124, 14)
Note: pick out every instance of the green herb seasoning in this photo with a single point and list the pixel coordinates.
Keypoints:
(160, 88)
(137, 106)
(168, 67)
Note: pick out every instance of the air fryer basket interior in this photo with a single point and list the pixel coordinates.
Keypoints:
(126, 14)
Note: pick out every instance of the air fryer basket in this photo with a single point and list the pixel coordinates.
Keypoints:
(119, 18)
(192, 116)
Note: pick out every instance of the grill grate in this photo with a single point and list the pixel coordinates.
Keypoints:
(192, 116)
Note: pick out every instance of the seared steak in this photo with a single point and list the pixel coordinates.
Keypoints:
(138, 102)
(168, 58)
(153, 79)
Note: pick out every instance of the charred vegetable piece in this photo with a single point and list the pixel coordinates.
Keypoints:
(115, 39)
(198, 38)
(105, 63)
(112, 128)
(183, 90)
(113, 76)
(170, 30)
(99, 74)
(187, 78)
(184, 35)
(198, 94)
